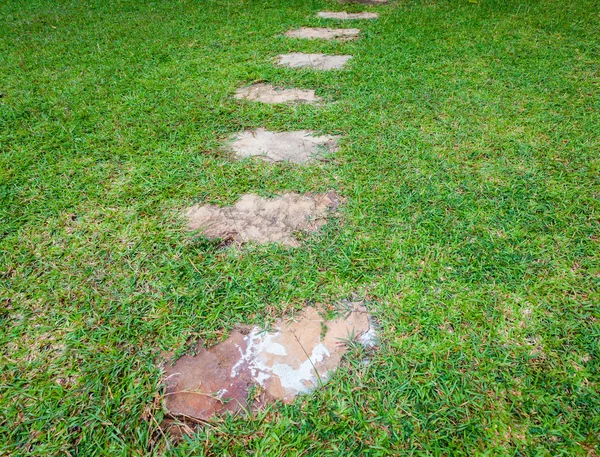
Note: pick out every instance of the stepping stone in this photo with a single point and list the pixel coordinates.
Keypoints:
(323, 33)
(314, 61)
(299, 146)
(366, 2)
(263, 220)
(342, 15)
(293, 357)
(266, 93)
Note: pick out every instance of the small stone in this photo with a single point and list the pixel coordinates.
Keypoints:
(292, 358)
(323, 33)
(299, 146)
(314, 61)
(266, 93)
(342, 15)
(263, 220)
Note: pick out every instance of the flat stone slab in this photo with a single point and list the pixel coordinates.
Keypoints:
(314, 61)
(292, 358)
(343, 16)
(263, 220)
(366, 2)
(266, 93)
(299, 146)
(323, 33)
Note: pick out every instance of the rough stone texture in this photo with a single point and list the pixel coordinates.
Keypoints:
(366, 2)
(323, 33)
(314, 61)
(266, 93)
(299, 146)
(342, 15)
(292, 358)
(263, 220)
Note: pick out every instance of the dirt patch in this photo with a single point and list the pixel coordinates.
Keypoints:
(294, 357)
(266, 93)
(314, 61)
(323, 33)
(342, 15)
(299, 146)
(263, 220)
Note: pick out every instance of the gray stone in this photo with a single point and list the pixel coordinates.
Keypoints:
(342, 15)
(323, 33)
(314, 61)
(299, 146)
(263, 220)
(266, 93)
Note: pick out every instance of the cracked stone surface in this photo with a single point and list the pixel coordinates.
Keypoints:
(342, 15)
(264, 220)
(293, 357)
(266, 93)
(324, 33)
(314, 61)
(299, 146)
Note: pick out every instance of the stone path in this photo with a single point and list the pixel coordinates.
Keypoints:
(314, 61)
(343, 16)
(292, 358)
(263, 220)
(323, 33)
(300, 146)
(266, 93)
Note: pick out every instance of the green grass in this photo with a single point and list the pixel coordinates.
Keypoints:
(471, 178)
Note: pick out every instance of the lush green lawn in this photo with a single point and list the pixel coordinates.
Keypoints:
(471, 175)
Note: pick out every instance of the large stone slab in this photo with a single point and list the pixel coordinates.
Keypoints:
(266, 93)
(323, 33)
(292, 358)
(314, 61)
(299, 146)
(366, 2)
(343, 16)
(263, 220)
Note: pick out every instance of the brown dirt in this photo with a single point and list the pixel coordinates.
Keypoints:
(263, 220)
(291, 359)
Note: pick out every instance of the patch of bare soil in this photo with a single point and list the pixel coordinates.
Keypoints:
(299, 146)
(314, 61)
(263, 220)
(343, 16)
(323, 33)
(294, 357)
(266, 93)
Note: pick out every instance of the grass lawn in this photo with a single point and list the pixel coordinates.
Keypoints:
(470, 170)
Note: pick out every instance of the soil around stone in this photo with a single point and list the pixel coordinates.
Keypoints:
(323, 33)
(266, 93)
(313, 61)
(343, 16)
(292, 358)
(299, 146)
(263, 220)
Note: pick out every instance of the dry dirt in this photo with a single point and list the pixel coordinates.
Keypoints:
(323, 33)
(292, 358)
(266, 93)
(263, 220)
(342, 15)
(314, 61)
(299, 146)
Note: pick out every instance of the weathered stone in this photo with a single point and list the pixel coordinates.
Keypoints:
(263, 220)
(342, 15)
(292, 358)
(266, 93)
(366, 2)
(298, 146)
(314, 61)
(323, 33)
